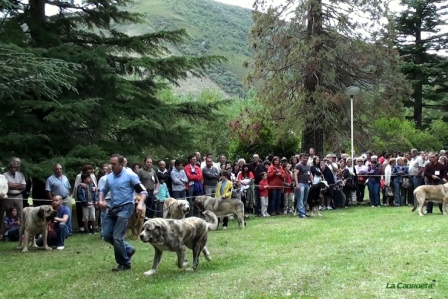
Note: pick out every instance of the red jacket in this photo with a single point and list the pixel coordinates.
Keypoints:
(193, 176)
(288, 180)
(276, 180)
(264, 192)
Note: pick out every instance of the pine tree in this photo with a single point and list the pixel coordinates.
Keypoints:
(419, 32)
(307, 52)
(116, 77)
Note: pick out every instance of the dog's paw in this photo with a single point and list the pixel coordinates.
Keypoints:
(185, 264)
(208, 257)
(25, 249)
(189, 269)
(35, 246)
(150, 272)
(48, 248)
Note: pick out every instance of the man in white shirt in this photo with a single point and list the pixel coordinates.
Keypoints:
(16, 185)
(416, 167)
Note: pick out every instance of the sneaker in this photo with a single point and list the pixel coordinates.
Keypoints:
(329, 208)
(321, 208)
(372, 206)
(303, 216)
(121, 268)
(60, 248)
(81, 229)
(224, 227)
(285, 212)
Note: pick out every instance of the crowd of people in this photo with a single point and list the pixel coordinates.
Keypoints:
(267, 187)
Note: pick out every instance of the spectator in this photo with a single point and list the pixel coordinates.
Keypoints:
(224, 191)
(87, 196)
(12, 225)
(179, 179)
(162, 195)
(61, 227)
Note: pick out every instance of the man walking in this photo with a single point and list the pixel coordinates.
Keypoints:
(122, 184)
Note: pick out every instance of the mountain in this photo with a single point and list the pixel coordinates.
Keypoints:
(215, 28)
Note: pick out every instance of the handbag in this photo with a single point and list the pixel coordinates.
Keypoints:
(406, 183)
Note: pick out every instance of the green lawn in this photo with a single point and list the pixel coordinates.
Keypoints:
(348, 253)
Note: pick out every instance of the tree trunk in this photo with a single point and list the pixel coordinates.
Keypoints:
(36, 22)
(312, 133)
(418, 85)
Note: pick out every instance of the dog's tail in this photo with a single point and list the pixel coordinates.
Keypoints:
(415, 203)
(212, 220)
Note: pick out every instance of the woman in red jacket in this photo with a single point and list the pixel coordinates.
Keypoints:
(276, 177)
(194, 185)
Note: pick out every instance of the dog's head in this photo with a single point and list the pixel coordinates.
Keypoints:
(137, 199)
(200, 200)
(46, 213)
(323, 187)
(184, 206)
(153, 231)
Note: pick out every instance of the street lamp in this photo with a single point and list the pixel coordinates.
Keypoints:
(352, 91)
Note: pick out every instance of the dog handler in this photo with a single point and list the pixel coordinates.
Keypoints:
(122, 184)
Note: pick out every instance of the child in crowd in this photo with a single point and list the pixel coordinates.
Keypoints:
(288, 192)
(88, 198)
(12, 226)
(162, 195)
(264, 192)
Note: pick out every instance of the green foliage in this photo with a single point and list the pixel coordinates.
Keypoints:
(307, 62)
(394, 134)
(115, 108)
(419, 34)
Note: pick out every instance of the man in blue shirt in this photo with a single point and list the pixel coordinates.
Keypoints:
(58, 184)
(121, 184)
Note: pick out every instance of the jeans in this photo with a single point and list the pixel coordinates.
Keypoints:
(149, 202)
(179, 194)
(360, 188)
(398, 197)
(114, 229)
(374, 192)
(257, 201)
(210, 190)
(275, 200)
(301, 195)
(193, 209)
(59, 239)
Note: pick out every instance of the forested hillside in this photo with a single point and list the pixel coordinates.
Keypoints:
(214, 28)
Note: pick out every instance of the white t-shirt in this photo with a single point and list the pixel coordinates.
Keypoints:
(415, 164)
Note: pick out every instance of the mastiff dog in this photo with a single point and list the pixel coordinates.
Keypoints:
(136, 221)
(175, 208)
(34, 221)
(222, 207)
(315, 195)
(435, 193)
(176, 234)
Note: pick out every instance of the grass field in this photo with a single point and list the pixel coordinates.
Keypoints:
(348, 253)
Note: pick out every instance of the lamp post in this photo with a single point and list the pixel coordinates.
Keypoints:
(352, 91)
